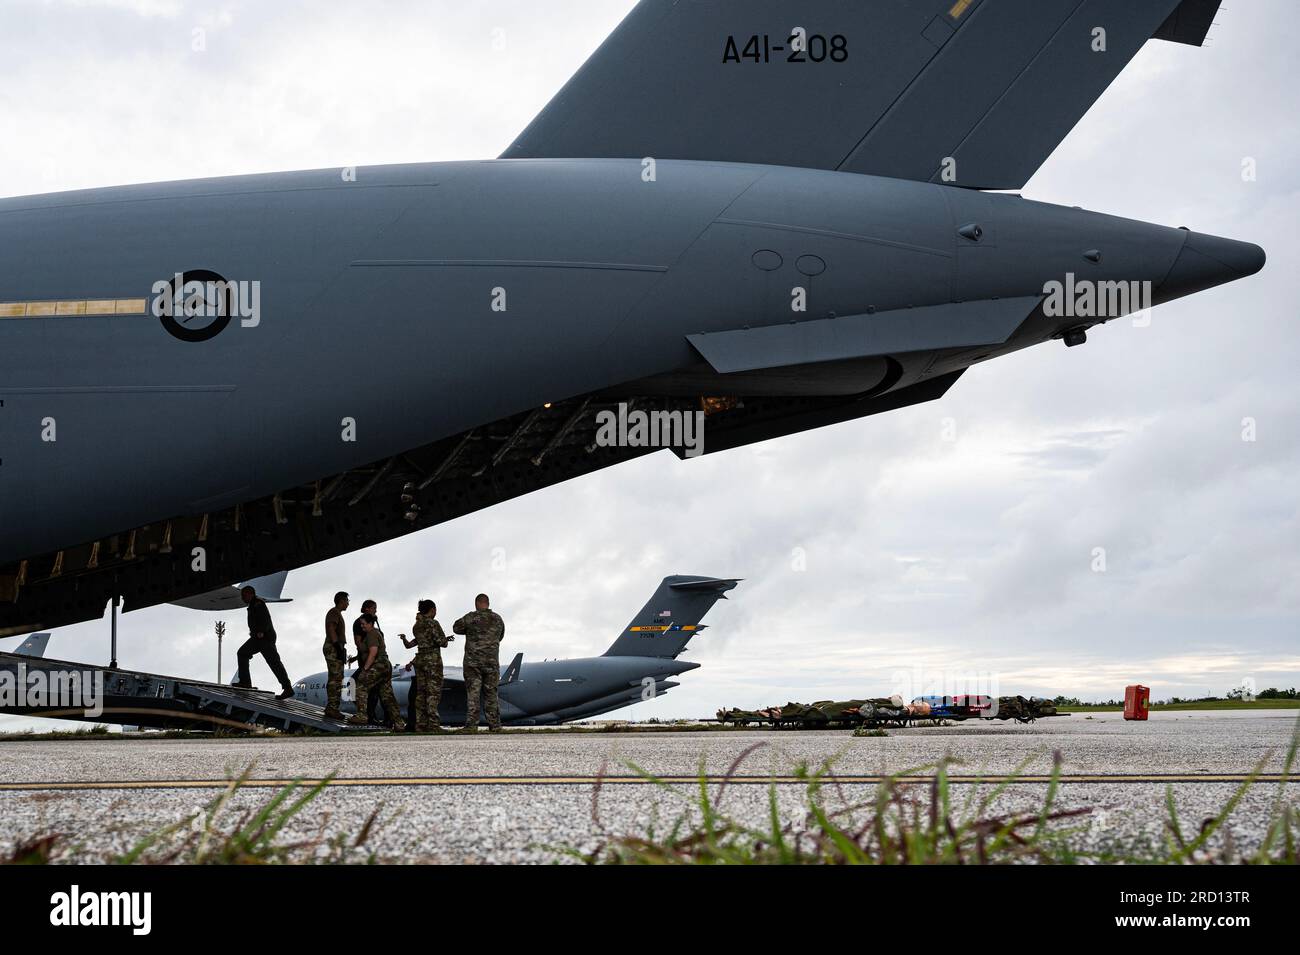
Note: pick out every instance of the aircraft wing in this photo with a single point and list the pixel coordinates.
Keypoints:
(457, 674)
(888, 87)
(406, 671)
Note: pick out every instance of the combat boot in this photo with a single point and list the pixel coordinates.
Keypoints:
(334, 715)
(358, 720)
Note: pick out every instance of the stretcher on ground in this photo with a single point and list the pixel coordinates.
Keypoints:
(892, 711)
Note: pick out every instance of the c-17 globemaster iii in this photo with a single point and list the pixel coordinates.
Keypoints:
(765, 216)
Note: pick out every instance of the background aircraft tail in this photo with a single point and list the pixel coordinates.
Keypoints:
(33, 646)
(672, 616)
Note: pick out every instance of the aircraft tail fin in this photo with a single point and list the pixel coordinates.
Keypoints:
(512, 671)
(974, 93)
(671, 617)
(33, 646)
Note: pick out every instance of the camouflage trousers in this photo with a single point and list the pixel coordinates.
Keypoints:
(379, 679)
(482, 679)
(335, 660)
(428, 690)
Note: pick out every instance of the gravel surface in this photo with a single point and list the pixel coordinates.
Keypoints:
(515, 823)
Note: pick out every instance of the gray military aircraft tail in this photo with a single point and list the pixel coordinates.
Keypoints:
(671, 617)
(33, 646)
(638, 666)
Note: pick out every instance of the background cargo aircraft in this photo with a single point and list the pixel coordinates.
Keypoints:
(648, 241)
(638, 665)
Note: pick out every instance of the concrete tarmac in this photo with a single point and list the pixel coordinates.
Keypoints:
(519, 797)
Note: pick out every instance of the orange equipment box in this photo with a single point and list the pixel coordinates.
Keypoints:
(1136, 698)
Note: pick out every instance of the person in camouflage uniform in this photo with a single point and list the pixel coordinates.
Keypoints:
(336, 656)
(483, 630)
(375, 676)
(429, 639)
(359, 635)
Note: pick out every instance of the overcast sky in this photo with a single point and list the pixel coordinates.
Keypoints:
(956, 537)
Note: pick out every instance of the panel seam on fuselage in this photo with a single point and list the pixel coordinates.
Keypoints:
(830, 233)
(504, 263)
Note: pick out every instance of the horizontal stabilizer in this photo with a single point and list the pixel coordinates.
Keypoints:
(268, 588)
(706, 584)
(955, 325)
(975, 93)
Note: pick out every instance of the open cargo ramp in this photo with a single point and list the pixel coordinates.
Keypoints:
(150, 700)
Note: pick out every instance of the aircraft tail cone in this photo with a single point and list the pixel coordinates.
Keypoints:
(1206, 261)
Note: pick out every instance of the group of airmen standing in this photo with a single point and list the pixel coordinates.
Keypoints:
(483, 630)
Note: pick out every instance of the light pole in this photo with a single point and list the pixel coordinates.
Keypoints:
(221, 632)
(112, 663)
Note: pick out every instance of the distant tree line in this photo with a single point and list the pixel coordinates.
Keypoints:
(1272, 693)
